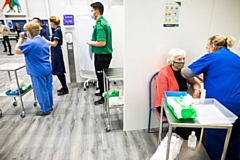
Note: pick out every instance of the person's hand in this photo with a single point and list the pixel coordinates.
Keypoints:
(22, 35)
(89, 42)
(44, 38)
(196, 93)
(200, 77)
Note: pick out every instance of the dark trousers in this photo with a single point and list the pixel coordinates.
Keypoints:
(6, 40)
(18, 32)
(63, 82)
(101, 62)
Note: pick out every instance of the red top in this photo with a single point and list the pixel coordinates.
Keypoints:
(165, 81)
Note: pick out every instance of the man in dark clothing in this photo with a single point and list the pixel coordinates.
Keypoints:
(43, 32)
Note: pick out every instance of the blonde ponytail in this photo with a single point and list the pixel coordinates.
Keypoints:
(230, 41)
(220, 41)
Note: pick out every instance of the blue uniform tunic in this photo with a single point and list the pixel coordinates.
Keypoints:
(221, 71)
(58, 67)
(38, 66)
(44, 33)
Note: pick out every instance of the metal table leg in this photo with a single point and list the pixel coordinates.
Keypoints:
(160, 127)
(169, 141)
(105, 89)
(227, 139)
(15, 100)
(35, 99)
(201, 135)
(20, 95)
(108, 128)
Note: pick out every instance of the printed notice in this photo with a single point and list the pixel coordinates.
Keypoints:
(172, 14)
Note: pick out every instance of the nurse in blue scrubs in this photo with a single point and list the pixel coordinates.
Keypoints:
(221, 70)
(38, 66)
(57, 55)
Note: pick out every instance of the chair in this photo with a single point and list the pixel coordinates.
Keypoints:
(89, 75)
(152, 93)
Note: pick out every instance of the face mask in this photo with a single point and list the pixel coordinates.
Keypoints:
(178, 65)
(28, 36)
(92, 15)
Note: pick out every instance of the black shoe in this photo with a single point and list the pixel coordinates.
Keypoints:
(5, 51)
(62, 92)
(97, 94)
(100, 101)
(40, 113)
(10, 54)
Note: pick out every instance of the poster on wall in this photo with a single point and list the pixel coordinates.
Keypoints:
(171, 18)
(13, 7)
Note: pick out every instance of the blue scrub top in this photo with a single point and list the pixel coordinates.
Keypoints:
(221, 71)
(36, 52)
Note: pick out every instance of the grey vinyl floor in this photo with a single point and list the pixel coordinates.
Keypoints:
(75, 130)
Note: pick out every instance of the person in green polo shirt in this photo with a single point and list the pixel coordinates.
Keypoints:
(101, 43)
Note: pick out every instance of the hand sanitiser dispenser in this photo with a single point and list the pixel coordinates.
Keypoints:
(70, 52)
(69, 37)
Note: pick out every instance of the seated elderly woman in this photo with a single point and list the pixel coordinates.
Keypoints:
(169, 78)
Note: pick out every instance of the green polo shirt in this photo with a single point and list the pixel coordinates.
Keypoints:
(102, 32)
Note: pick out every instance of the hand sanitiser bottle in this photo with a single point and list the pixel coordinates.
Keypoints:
(192, 140)
(203, 95)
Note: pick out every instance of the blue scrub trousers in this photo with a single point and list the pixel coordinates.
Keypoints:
(42, 86)
(215, 139)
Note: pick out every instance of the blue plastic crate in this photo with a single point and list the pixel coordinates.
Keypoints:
(12, 93)
(175, 93)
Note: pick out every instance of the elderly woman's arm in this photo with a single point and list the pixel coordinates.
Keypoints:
(195, 84)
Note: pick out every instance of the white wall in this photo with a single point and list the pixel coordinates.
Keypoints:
(37, 9)
(147, 43)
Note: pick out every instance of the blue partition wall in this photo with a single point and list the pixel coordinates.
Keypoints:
(23, 22)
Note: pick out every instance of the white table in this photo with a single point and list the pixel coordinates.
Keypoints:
(192, 123)
(110, 74)
(14, 67)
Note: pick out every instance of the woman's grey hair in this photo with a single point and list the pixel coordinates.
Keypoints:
(174, 52)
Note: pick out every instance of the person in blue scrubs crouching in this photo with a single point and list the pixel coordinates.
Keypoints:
(221, 70)
(38, 66)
